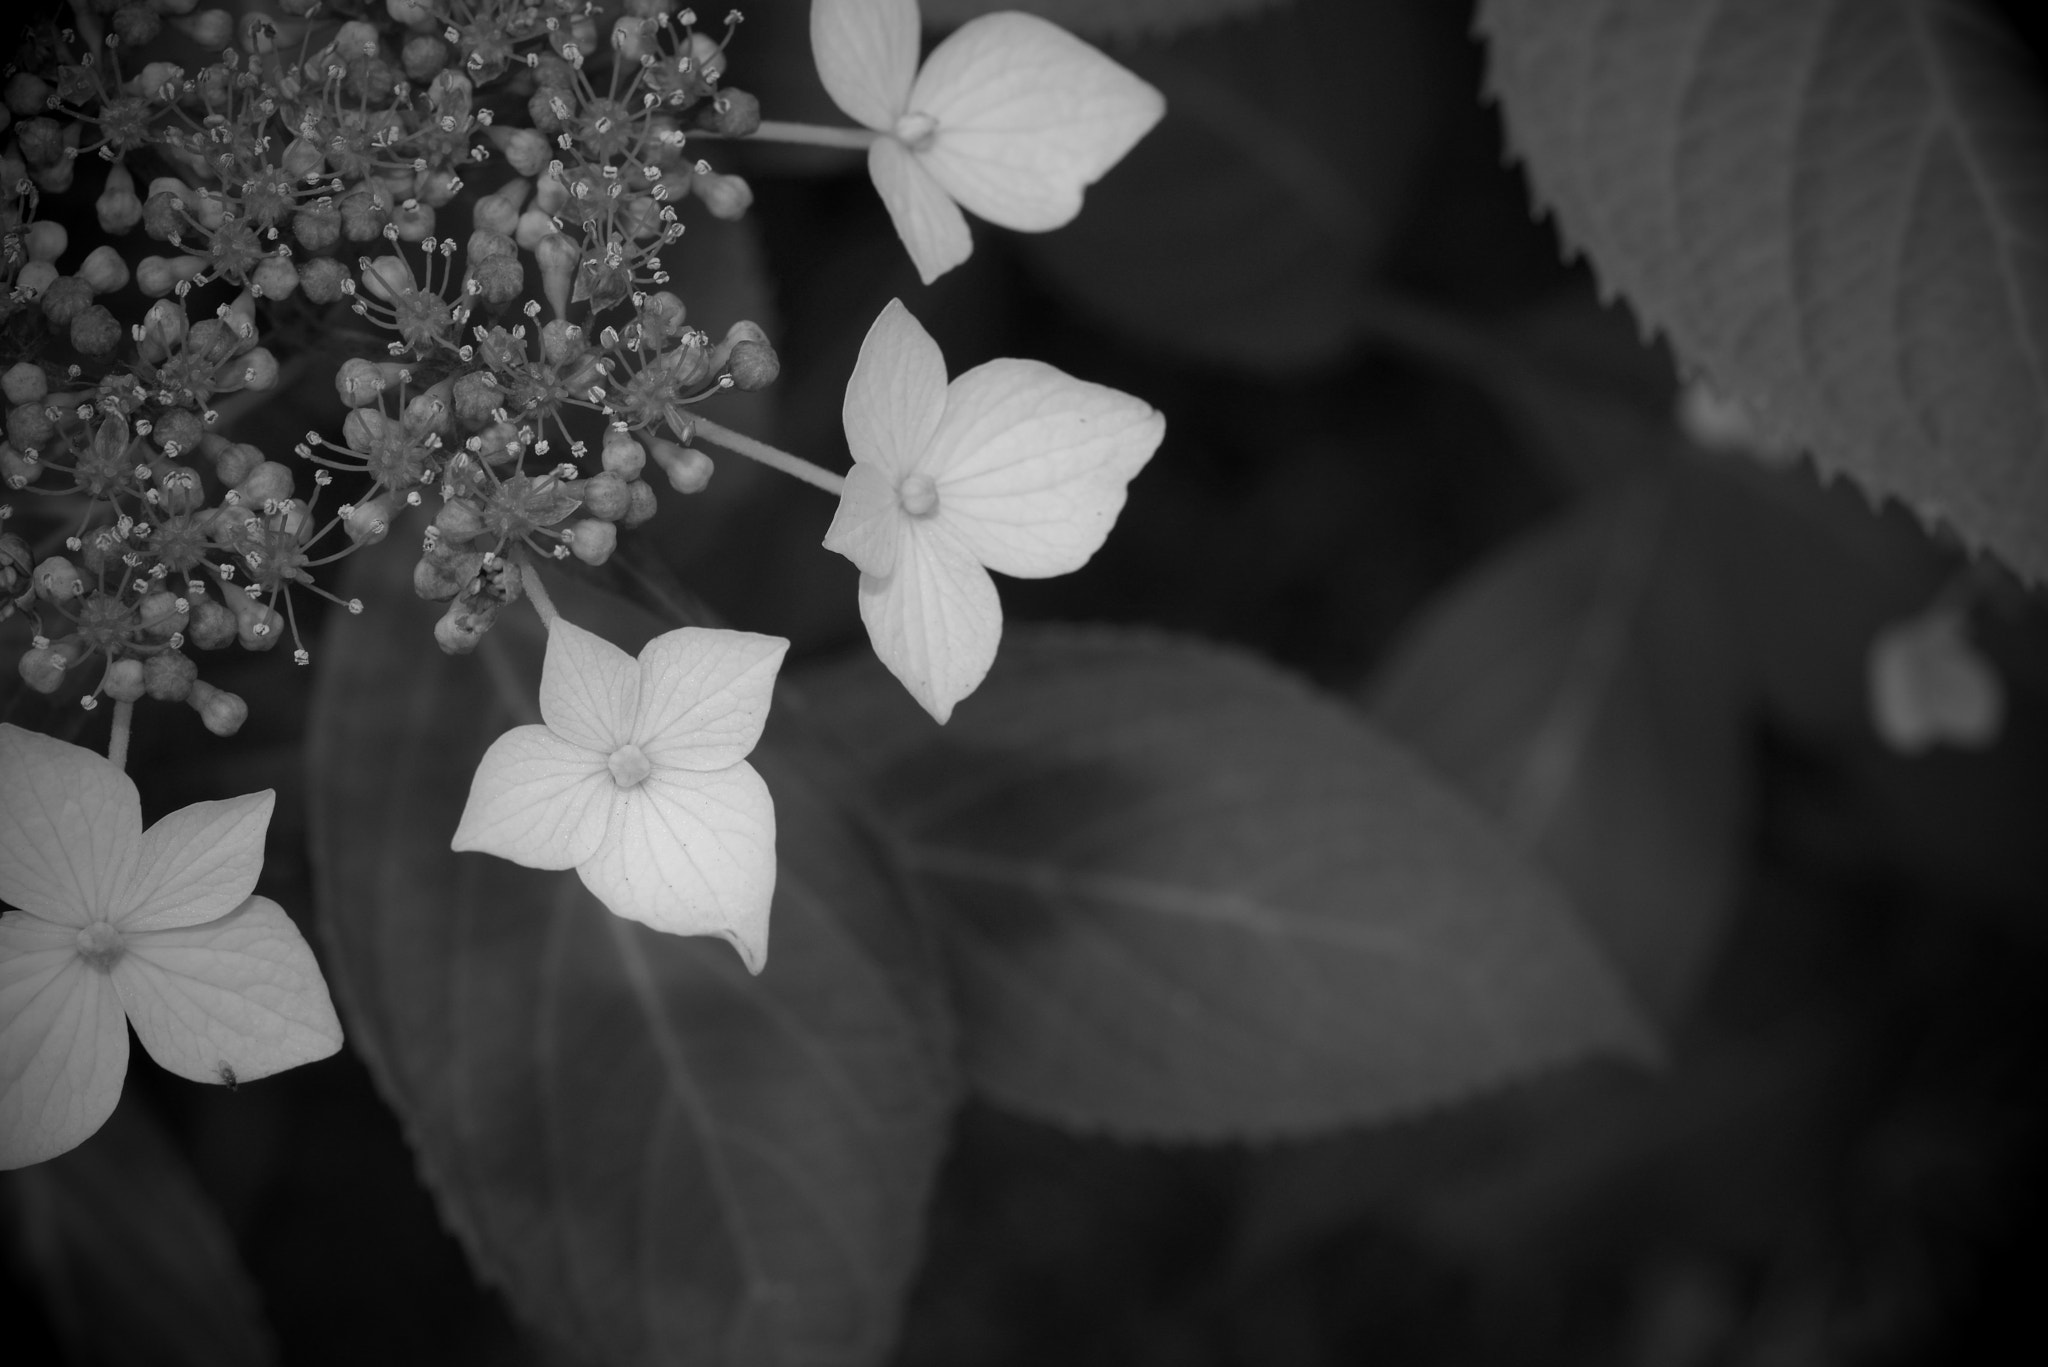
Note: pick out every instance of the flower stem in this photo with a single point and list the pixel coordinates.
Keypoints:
(529, 577)
(810, 135)
(117, 739)
(721, 435)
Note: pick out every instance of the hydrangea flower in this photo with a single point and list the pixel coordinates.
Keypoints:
(637, 779)
(1014, 467)
(1010, 118)
(115, 926)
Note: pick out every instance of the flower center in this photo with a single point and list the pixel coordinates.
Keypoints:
(916, 130)
(918, 495)
(629, 767)
(99, 944)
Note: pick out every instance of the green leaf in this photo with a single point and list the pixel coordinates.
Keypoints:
(1185, 898)
(1236, 232)
(134, 1262)
(659, 1158)
(1584, 687)
(1106, 18)
(1835, 208)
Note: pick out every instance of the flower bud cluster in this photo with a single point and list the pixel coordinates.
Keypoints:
(485, 187)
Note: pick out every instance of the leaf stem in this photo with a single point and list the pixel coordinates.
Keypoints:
(117, 739)
(529, 578)
(809, 135)
(768, 455)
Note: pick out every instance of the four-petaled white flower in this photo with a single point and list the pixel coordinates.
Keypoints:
(638, 780)
(115, 925)
(1010, 118)
(1014, 467)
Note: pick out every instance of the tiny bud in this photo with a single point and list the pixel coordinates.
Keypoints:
(753, 365)
(104, 270)
(124, 681)
(592, 541)
(559, 257)
(118, 207)
(322, 279)
(369, 522)
(211, 29)
(461, 628)
(25, 382)
(460, 520)
(42, 667)
(643, 506)
(687, 468)
(212, 626)
(359, 382)
(157, 276)
(276, 277)
(45, 240)
(623, 456)
(734, 114)
(604, 496)
(526, 150)
(257, 626)
(269, 482)
(96, 331)
(562, 342)
(57, 580)
(168, 675)
(727, 197)
(220, 711)
(236, 461)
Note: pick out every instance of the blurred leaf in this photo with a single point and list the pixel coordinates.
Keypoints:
(1187, 899)
(1835, 210)
(1106, 18)
(659, 1158)
(1237, 230)
(134, 1261)
(1583, 686)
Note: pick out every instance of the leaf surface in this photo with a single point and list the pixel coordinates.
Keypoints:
(1837, 209)
(1184, 898)
(136, 1266)
(1583, 686)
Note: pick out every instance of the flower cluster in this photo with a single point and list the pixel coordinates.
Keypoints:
(470, 209)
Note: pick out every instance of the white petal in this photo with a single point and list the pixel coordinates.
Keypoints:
(931, 225)
(1028, 117)
(589, 688)
(63, 1042)
(200, 862)
(536, 800)
(935, 622)
(70, 828)
(233, 999)
(896, 395)
(869, 522)
(704, 696)
(692, 854)
(1032, 464)
(866, 52)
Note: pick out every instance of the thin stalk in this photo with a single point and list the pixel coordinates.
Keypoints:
(117, 739)
(529, 577)
(809, 135)
(720, 435)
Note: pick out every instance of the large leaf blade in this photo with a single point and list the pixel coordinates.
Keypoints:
(1835, 209)
(1584, 686)
(1186, 899)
